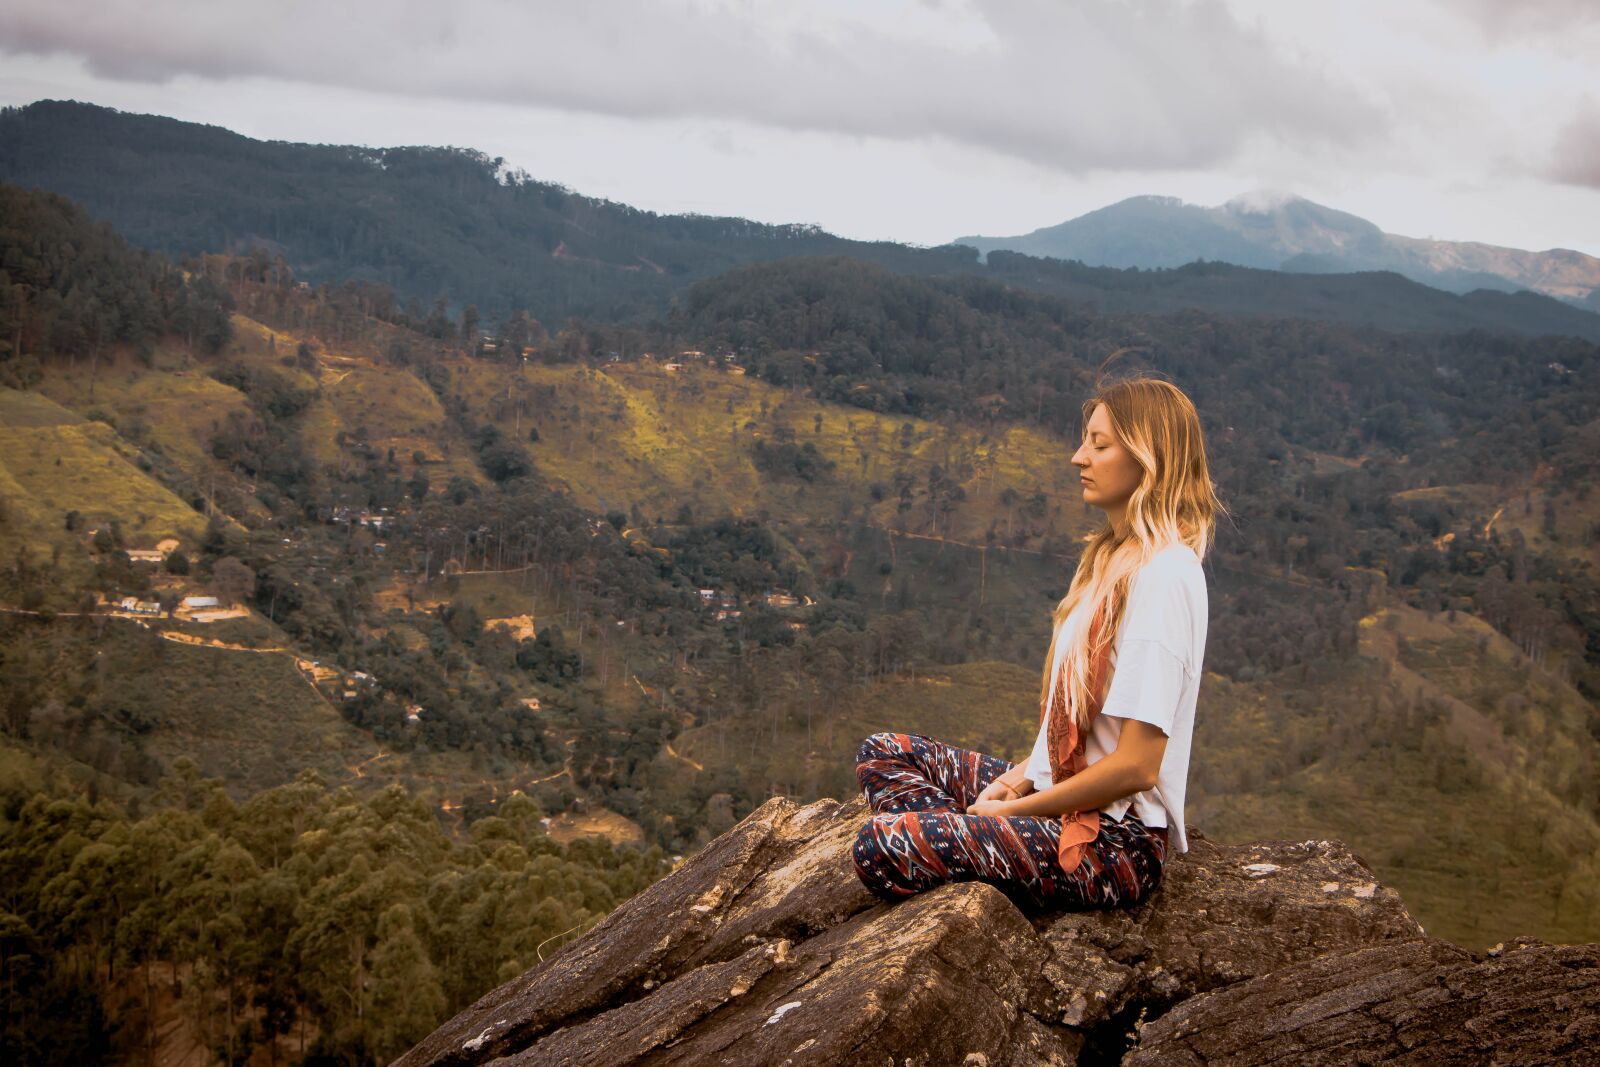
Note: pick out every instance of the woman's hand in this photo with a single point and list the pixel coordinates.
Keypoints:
(999, 789)
(994, 798)
(994, 808)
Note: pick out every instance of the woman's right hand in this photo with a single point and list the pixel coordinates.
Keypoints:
(999, 789)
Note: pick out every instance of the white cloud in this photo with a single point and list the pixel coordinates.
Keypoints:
(1553, 19)
(1074, 87)
(1576, 157)
(911, 120)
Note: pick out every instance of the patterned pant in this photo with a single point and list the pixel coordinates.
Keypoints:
(920, 836)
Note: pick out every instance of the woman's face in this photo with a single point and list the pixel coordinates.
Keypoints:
(1109, 471)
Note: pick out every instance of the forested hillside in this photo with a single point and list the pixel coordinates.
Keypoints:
(456, 224)
(473, 573)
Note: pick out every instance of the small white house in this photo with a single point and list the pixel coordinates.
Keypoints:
(200, 603)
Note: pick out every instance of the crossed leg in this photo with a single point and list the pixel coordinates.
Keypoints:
(920, 835)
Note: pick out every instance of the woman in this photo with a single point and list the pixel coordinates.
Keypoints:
(1089, 819)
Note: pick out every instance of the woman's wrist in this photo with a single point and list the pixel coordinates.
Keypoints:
(1017, 780)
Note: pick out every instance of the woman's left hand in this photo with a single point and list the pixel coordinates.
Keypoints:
(994, 808)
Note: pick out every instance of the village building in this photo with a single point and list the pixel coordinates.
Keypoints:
(201, 603)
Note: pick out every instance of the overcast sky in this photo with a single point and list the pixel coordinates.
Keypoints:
(910, 120)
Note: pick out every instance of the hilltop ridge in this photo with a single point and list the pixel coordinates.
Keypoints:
(427, 221)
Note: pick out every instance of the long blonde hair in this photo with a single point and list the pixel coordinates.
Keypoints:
(1175, 501)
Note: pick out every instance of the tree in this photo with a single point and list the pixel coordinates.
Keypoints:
(234, 581)
(407, 998)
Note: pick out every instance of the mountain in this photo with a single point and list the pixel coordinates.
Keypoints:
(424, 221)
(455, 225)
(1277, 231)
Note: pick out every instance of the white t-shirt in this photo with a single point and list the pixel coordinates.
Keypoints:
(1156, 662)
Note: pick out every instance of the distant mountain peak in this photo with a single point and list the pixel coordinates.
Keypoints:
(1261, 201)
(1156, 200)
(1274, 229)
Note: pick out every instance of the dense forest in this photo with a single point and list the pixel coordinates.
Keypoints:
(388, 488)
(75, 289)
(333, 927)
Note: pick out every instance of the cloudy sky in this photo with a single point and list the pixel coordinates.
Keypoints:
(911, 120)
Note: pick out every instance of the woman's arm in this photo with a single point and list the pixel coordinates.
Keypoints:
(1132, 767)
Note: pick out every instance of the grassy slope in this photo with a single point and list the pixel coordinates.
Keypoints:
(52, 462)
(172, 405)
(640, 434)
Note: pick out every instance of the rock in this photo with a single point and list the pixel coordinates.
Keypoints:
(1214, 921)
(1420, 1002)
(764, 948)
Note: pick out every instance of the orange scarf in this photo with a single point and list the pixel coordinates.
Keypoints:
(1066, 746)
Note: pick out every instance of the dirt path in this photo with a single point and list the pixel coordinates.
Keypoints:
(211, 642)
(675, 754)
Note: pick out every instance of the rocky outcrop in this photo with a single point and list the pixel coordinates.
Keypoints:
(764, 948)
(1416, 1002)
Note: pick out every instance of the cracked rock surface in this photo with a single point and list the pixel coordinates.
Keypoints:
(1413, 1002)
(764, 948)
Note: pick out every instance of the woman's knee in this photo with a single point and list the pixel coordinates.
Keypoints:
(867, 852)
(880, 744)
(876, 865)
(868, 845)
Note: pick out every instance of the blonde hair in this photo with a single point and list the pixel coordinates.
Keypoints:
(1174, 501)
